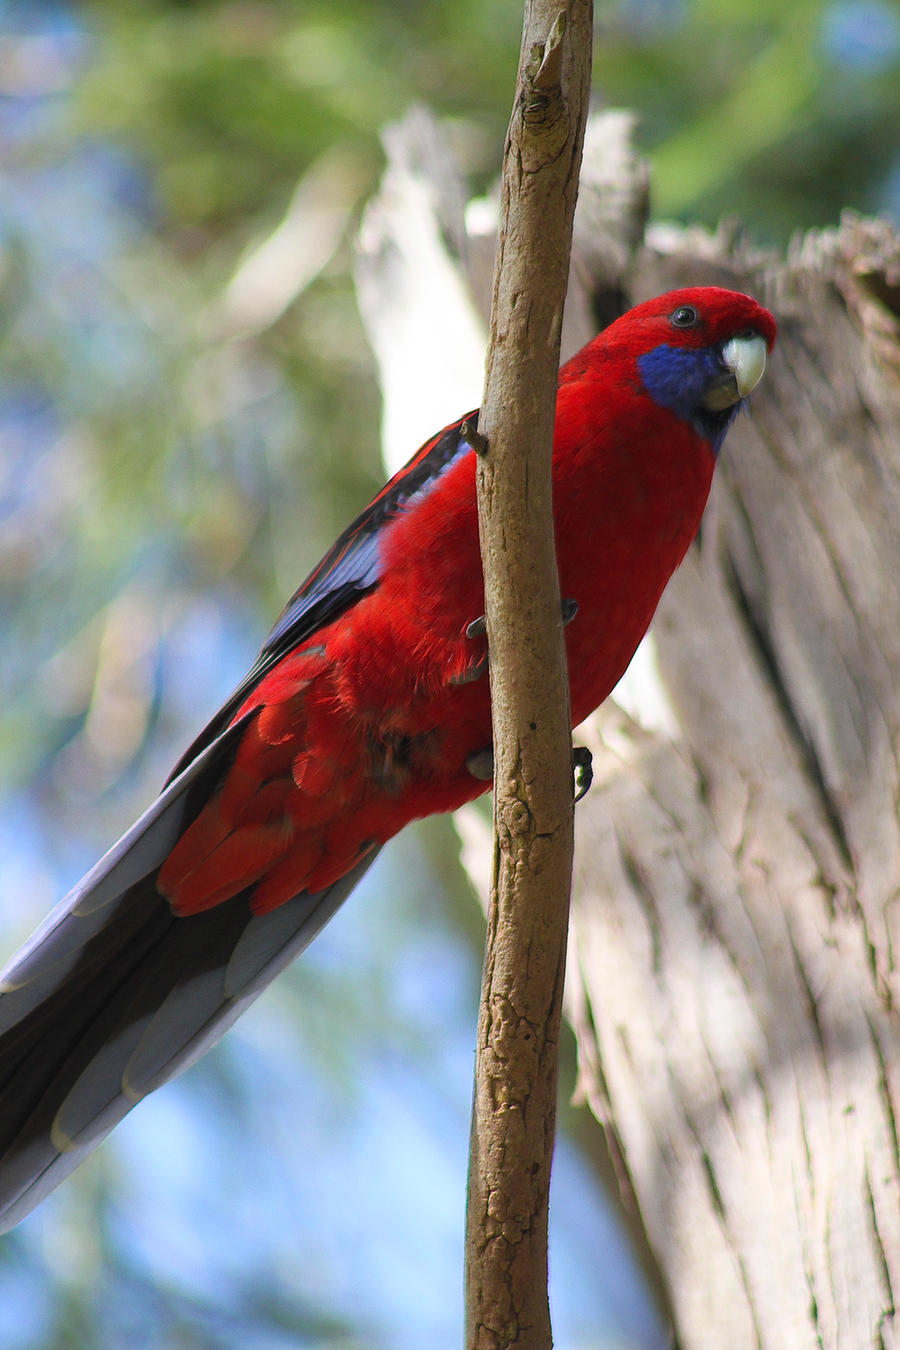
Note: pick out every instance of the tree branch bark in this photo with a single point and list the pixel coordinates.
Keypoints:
(516, 1067)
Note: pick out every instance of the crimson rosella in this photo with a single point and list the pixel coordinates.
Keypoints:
(368, 706)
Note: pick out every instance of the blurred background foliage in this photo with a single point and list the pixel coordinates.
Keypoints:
(188, 414)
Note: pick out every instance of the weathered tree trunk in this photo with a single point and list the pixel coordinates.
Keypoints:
(733, 982)
(735, 925)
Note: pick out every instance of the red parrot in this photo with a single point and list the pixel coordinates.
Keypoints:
(367, 707)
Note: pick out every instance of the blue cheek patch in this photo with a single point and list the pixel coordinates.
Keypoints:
(677, 378)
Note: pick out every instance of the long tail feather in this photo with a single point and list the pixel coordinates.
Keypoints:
(115, 994)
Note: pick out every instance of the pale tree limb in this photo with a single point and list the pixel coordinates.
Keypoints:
(514, 1106)
(734, 985)
(426, 334)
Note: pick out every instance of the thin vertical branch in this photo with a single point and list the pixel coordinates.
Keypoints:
(516, 1071)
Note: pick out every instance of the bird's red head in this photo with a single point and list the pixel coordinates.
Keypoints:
(697, 352)
(697, 316)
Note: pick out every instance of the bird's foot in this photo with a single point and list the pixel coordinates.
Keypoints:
(481, 764)
(472, 672)
(568, 608)
(583, 763)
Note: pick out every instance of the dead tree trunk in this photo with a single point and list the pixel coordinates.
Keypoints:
(736, 920)
(733, 975)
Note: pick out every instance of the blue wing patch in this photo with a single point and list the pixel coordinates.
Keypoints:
(350, 569)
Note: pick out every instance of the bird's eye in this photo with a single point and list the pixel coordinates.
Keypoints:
(685, 316)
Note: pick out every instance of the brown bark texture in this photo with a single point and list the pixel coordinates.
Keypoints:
(514, 1103)
(735, 921)
(733, 979)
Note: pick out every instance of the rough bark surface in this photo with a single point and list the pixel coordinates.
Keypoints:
(733, 974)
(735, 923)
(514, 1104)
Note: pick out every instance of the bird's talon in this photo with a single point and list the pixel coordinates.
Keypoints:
(471, 673)
(583, 762)
(477, 627)
(481, 764)
(569, 609)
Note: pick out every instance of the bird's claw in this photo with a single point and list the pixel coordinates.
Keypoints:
(472, 672)
(478, 628)
(568, 608)
(583, 763)
(481, 764)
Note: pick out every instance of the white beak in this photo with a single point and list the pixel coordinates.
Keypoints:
(745, 361)
(746, 358)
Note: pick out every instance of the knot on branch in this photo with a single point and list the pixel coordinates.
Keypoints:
(516, 821)
(544, 70)
(541, 105)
